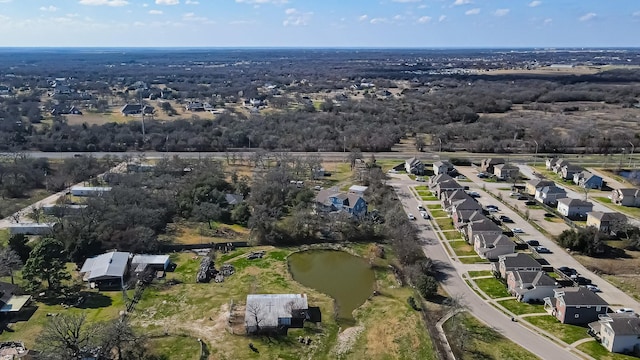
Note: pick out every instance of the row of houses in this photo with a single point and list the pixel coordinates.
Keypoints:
(575, 173)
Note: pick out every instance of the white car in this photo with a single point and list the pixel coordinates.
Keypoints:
(411, 217)
(492, 209)
(421, 208)
(517, 231)
(595, 289)
(625, 310)
(424, 215)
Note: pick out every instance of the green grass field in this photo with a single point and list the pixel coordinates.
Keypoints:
(494, 288)
(520, 308)
(461, 248)
(597, 351)
(567, 333)
(445, 223)
(630, 211)
(473, 274)
(452, 234)
(481, 342)
(434, 206)
(473, 260)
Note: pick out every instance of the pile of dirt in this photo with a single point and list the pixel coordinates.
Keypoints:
(346, 339)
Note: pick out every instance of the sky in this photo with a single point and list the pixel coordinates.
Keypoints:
(320, 23)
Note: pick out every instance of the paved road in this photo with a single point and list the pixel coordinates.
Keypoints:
(455, 285)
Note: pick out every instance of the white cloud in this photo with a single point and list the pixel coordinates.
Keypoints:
(192, 2)
(398, 17)
(636, 14)
(49, 8)
(192, 17)
(461, 2)
(442, 18)
(378, 21)
(5, 1)
(167, 2)
(424, 19)
(296, 18)
(587, 17)
(535, 3)
(547, 21)
(104, 2)
(501, 12)
(155, 12)
(474, 11)
(406, 1)
(145, 5)
(363, 17)
(259, 2)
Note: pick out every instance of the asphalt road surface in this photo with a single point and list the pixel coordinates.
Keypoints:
(455, 285)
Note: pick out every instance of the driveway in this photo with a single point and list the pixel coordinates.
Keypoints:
(453, 284)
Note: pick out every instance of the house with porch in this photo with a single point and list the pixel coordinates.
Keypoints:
(574, 208)
(12, 300)
(414, 166)
(575, 305)
(549, 195)
(568, 170)
(626, 197)
(463, 217)
(531, 286)
(515, 262)
(482, 226)
(106, 271)
(490, 247)
(437, 179)
(442, 167)
(617, 332)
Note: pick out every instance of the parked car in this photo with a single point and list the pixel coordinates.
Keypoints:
(542, 250)
(582, 280)
(483, 175)
(593, 288)
(523, 197)
(514, 194)
(420, 179)
(411, 217)
(517, 231)
(567, 270)
(533, 242)
(492, 209)
(474, 194)
(505, 219)
(530, 202)
(625, 310)
(424, 215)
(421, 208)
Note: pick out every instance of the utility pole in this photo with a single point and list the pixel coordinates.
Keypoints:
(631, 156)
(440, 141)
(535, 157)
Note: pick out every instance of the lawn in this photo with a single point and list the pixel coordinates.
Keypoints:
(470, 339)
(478, 273)
(199, 233)
(461, 248)
(597, 351)
(631, 211)
(473, 260)
(4, 237)
(567, 333)
(434, 206)
(428, 198)
(452, 234)
(520, 308)
(494, 288)
(201, 311)
(175, 347)
(421, 188)
(445, 223)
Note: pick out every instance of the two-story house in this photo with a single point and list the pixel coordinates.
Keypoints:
(531, 286)
(626, 197)
(574, 208)
(549, 195)
(568, 170)
(332, 200)
(619, 333)
(606, 222)
(437, 179)
(490, 247)
(515, 262)
(482, 226)
(575, 305)
(532, 185)
(414, 166)
(588, 180)
(505, 171)
(442, 167)
(487, 165)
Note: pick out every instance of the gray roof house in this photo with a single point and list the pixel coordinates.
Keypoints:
(445, 186)
(531, 286)
(574, 208)
(605, 221)
(576, 305)
(505, 171)
(549, 195)
(626, 197)
(588, 180)
(482, 226)
(515, 262)
(489, 246)
(464, 204)
(534, 184)
(437, 179)
(107, 270)
(450, 196)
(233, 199)
(568, 170)
(619, 333)
(275, 313)
(442, 167)
(487, 164)
(463, 217)
(414, 166)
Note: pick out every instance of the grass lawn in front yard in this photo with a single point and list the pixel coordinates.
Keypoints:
(445, 223)
(470, 339)
(421, 188)
(520, 308)
(478, 273)
(630, 211)
(428, 198)
(565, 332)
(461, 248)
(494, 288)
(473, 260)
(434, 206)
(452, 234)
(597, 351)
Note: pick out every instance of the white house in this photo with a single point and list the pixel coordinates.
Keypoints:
(531, 286)
(491, 246)
(31, 228)
(619, 333)
(549, 195)
(574, 208)
(442, 167)
(89, 190)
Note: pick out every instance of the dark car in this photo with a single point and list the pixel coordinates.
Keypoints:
(482, 175)
(567, 270)
(523, 197)
(533, 242)
(582, 280)
(530, 202)
(505, 219)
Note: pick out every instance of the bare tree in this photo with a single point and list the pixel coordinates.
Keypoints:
(9, 261)
(67, 336)
(255, 310)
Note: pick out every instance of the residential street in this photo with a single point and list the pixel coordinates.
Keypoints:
(455, 285)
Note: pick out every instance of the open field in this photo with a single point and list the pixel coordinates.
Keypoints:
(9, 206)
(202, 310)
(481, 342)
(565, 332)
(200, 233)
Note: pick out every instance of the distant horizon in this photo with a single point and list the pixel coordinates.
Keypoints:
(578, 48)
(405, 24)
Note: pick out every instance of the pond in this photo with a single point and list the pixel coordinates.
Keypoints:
(348, 279)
